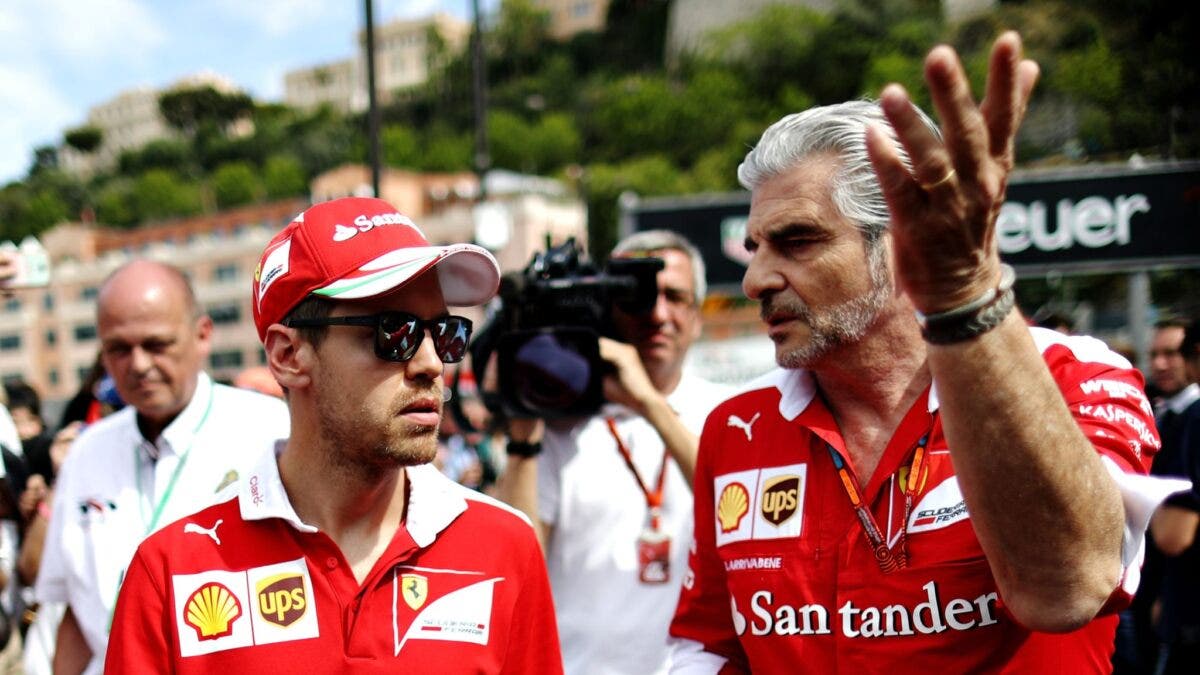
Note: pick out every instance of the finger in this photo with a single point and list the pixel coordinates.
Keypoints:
(963, 130)
(930, 162)
(899, 189)
(1010, 83)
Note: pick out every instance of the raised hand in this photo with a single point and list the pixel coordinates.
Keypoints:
(944, 208)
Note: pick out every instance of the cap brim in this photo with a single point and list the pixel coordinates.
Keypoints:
(468, 274)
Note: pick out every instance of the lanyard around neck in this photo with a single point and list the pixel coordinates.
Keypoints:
(889, 560)
(654, 498)
(166, 496)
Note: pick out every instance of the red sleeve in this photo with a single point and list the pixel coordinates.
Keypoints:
(533, 631)
(1109, 404)
(140, 640)
(704, 614)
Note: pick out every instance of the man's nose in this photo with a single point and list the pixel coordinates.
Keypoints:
(760, 278)
(425, 363)
(140, 360)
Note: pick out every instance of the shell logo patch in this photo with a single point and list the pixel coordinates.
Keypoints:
(281, 598)
(211, 611)
(732, 506)
(415, 589)
(773, 497)
(276, 600)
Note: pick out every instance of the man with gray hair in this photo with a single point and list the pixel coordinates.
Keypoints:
(928, 480)
(610, 494)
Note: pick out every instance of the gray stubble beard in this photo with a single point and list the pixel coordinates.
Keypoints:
(837, 326)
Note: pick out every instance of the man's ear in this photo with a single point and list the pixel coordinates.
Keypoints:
(288, 356)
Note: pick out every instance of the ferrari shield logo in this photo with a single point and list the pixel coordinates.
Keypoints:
(415, 589)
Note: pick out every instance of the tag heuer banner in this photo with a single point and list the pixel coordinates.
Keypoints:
(1097, 219)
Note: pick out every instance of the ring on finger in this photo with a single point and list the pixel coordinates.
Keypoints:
(939, 182)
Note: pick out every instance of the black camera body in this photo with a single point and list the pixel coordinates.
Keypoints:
(546, 334)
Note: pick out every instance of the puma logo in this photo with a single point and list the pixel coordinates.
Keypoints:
(211, 531)
(735, 421)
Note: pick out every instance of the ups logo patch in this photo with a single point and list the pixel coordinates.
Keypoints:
(780, 498)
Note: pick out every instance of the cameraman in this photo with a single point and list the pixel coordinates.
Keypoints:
(610, 494)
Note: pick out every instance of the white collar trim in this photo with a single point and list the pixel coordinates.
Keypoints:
(432, 499)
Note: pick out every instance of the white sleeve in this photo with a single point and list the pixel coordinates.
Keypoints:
(1140, 495)
(9, 436)
(51, 584)
(549, 474)
(689, 658)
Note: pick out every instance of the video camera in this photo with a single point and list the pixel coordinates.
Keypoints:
(546, 334)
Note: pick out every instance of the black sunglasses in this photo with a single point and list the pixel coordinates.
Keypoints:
(398, 335)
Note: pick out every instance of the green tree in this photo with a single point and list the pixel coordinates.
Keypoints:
(159, 194)
(25, 211)
(520, 36)
(510, 138)
(115, 204)
(555, 142)
(85, 139)
(168, 154)
(189, 108)
(235, 184)
(646, 175)
(447, 150)
(283, 177)
(400, 146)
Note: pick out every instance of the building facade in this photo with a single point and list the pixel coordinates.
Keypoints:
(48, 335)
(568, 17)
(129, 121)
(406, 52)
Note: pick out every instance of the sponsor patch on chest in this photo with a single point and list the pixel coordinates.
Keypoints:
(758, 504)
(443, 605)
(940, 507)
(219, 610)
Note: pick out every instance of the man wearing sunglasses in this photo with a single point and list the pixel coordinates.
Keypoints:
(346, 550)
(931, 485)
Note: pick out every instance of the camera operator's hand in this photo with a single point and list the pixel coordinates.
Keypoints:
(630, 385)
(526, 429)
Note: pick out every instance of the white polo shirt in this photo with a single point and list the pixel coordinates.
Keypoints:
(609, 622)
(112, 492)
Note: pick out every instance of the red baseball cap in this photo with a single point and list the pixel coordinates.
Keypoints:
(359, 247)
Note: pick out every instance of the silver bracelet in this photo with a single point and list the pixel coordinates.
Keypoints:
(973, 318)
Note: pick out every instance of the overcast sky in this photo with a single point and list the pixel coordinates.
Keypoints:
(60, 57)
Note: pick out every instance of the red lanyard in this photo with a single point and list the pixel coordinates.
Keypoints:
(887, 559)
(654, 498)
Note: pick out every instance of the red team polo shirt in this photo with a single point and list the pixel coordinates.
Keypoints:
(244, 586)
(782, 578)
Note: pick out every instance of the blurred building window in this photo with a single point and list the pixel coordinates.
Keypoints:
(85, 332)
(225, 314)
(226, 359)
(10, 342)
(227, 272)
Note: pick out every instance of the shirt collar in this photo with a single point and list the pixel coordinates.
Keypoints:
(1182, 399)
(434, 501)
